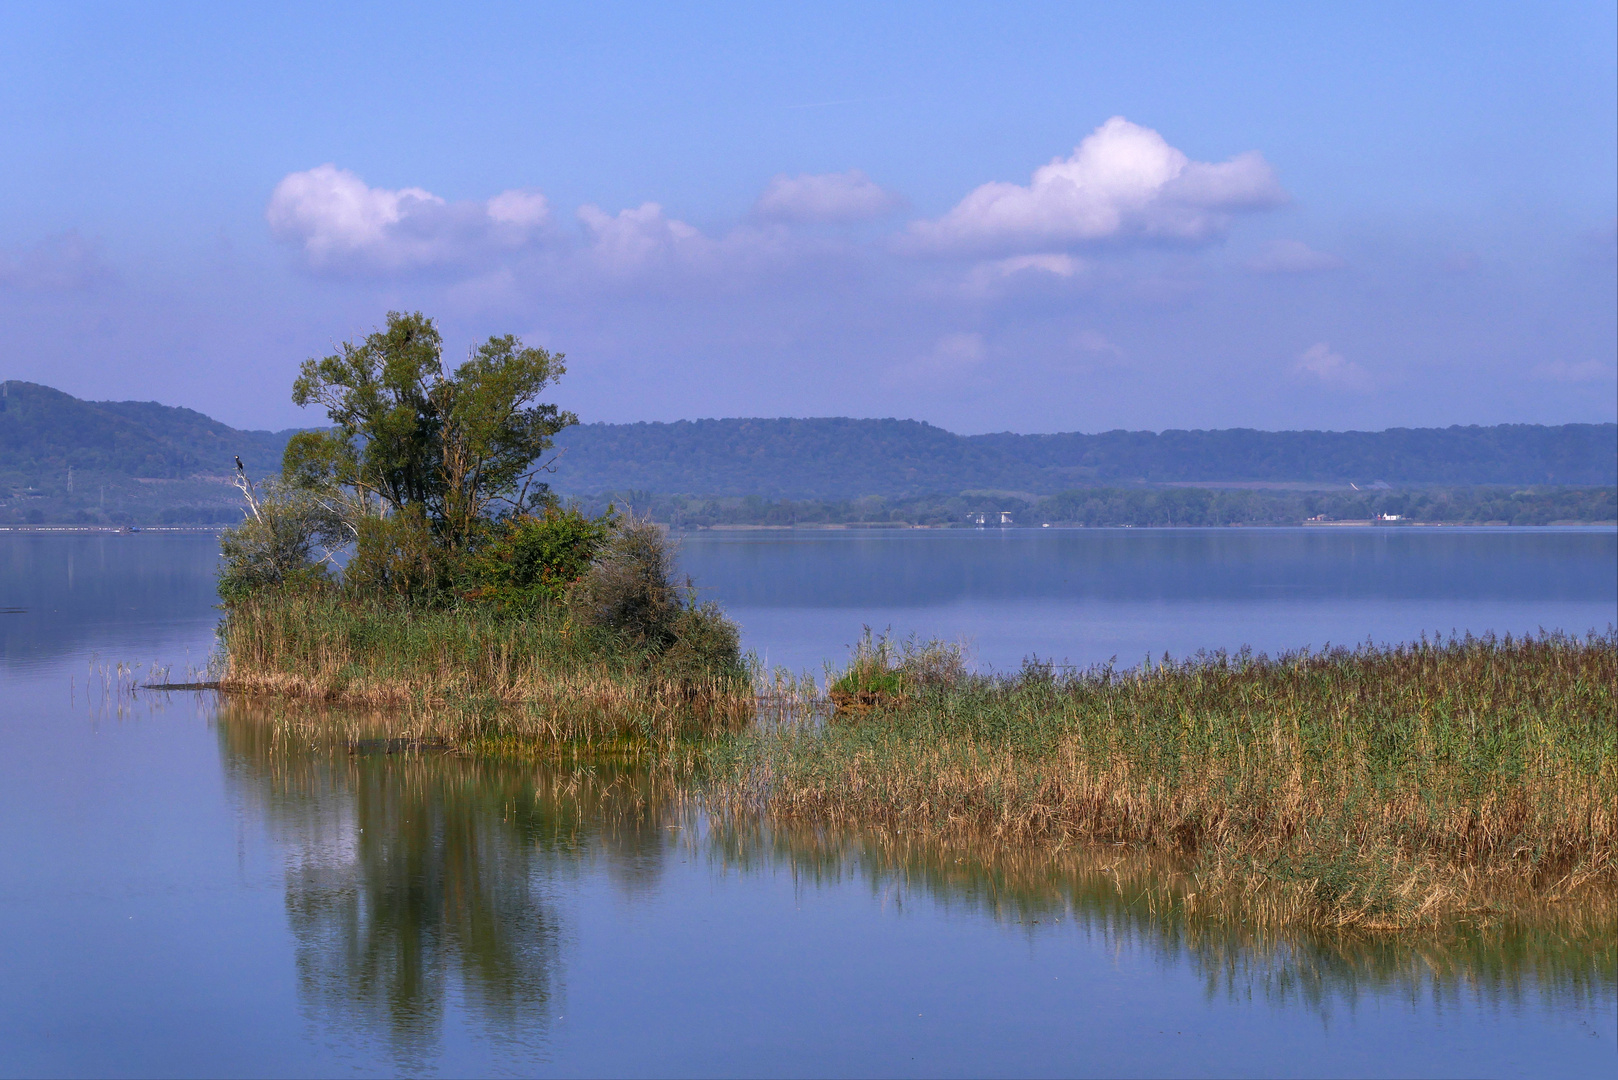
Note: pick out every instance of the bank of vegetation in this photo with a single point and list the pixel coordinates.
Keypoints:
(1140, 507)
(1380, 788)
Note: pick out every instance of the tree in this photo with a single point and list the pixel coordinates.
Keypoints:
(454, 449)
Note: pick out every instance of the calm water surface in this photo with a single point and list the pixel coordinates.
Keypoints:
(196, 889)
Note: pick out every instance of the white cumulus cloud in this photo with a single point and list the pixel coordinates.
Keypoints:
(1123, 181)
(645, 243)
(825, 197)
(340, 223)
(1319, 362)
(1292, 257)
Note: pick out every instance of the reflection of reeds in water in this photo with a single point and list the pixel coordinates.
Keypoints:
(1134, 897)
(1382, 788)
(412, 872)
(554, 683)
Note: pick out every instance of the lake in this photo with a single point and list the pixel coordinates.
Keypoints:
(193, 888)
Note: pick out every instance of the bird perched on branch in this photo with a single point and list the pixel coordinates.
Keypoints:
(239, 466)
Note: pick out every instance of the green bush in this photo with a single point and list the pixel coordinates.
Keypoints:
(275, 547)
(397, 556)
(528, 560)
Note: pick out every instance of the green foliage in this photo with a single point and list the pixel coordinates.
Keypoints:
(530, 559)
(398, 557)
(882, 667)
(459, 446)
(274, 548)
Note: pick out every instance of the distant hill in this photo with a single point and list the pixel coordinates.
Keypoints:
(64, 461)
(43, 431)
(838, 458)
(150, 463)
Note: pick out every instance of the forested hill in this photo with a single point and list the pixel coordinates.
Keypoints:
(840, 458)
(43, 431)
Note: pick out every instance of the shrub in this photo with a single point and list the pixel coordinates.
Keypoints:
(705, 643)
(530, 560)
(275, 547)
(630, 587)
(397, 556)
(630, 591)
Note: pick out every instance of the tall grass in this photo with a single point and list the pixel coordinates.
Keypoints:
(1376, 787)
(477, 673)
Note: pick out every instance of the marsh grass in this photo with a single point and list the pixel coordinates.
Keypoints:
(1382, 787)
(883, 674)
(474, 674)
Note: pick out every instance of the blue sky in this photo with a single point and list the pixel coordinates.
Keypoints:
(1030, 217)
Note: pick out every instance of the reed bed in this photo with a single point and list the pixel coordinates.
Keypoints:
(475, 675)
(1382, 787)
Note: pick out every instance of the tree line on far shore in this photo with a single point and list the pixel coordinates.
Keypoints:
(1139, 507)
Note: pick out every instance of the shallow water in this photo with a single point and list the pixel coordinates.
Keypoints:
(195, 889)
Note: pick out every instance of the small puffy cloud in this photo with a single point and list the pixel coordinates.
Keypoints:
(1292, 257)
(342, 224)
(644, 241)
(634, 239)
(520, 209)
(1064, 266)
(1124, 181)
(1320, 363)
(55, 264)
(825, 197)
(1583, 372)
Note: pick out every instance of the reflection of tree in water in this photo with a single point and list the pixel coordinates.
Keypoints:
(416, 876)
(1135, 901)
(436, 888)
